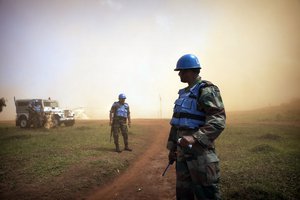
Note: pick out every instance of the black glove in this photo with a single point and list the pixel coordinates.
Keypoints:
(172, 157)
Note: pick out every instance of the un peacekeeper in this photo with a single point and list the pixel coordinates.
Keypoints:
(198, 119)
(35, 113)
(2, 104)
(119, 113)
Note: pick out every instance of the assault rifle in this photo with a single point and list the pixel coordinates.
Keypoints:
(111, 132)
(169, 164)
(173, 160)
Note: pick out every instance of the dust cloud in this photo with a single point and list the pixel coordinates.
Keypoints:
(84, 54)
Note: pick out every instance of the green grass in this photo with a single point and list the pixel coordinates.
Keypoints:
(82, 154)
(260, 161)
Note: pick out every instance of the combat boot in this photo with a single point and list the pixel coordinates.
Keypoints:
(127, 148)
(118, 148)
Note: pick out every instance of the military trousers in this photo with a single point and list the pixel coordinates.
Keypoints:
(36, 119)
(120, 125)
(197, 173)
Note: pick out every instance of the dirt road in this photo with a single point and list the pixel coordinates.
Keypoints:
(143, 180)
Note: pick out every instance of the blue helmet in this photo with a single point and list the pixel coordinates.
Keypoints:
(122, 96)
(188, 61)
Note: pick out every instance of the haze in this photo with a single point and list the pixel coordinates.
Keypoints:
(84, 53)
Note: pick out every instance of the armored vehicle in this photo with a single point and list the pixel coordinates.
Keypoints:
(48, 106)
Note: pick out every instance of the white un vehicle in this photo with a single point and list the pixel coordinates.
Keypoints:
(48, 106)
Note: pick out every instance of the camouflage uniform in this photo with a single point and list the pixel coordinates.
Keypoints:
(119, 123)
(197, 168)
(2, 104)
(35, 115)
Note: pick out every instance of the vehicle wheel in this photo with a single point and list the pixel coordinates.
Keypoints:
(24, 123)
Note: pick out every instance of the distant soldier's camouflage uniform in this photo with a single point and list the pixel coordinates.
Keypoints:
(197, 166)
(119, 113)
(35, 114)
(2, 104)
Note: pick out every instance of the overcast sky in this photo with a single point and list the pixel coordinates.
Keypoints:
(84, 53)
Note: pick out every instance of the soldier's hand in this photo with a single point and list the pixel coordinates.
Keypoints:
(129, 125)
(172, 157)
(187, 140)
(110, 123)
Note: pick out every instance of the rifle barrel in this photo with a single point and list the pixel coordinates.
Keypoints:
(166, 169)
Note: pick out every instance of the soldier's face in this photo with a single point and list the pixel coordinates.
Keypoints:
(184, 75)
(122, 101)
(187, 76)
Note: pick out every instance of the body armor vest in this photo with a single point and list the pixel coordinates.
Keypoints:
(121, 110)
(186, 113)
(37, 108)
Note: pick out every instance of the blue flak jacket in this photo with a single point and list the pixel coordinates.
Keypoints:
(185, 112)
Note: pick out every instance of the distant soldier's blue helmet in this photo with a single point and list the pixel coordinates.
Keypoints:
(188, 61)
(122, 96)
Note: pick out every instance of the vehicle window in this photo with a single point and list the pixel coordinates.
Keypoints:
(51, 104)
(23, 103)
(47, 104)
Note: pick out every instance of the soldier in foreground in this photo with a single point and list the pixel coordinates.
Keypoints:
(119, 113)
(198, 119)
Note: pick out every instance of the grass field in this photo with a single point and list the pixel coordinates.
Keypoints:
(60, 163)
(259, 158)
(260, 161)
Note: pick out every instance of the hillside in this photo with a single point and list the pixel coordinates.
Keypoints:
(286, 112)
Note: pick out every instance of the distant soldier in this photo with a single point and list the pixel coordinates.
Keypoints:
(2, 104)
(119, 113)
(35, 114)
(198, 119)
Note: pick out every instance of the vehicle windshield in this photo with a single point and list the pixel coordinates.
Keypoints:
(50, 103)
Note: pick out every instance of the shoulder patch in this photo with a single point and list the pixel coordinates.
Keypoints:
(204, 84)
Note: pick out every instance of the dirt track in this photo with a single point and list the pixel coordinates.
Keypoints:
(143, 180)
